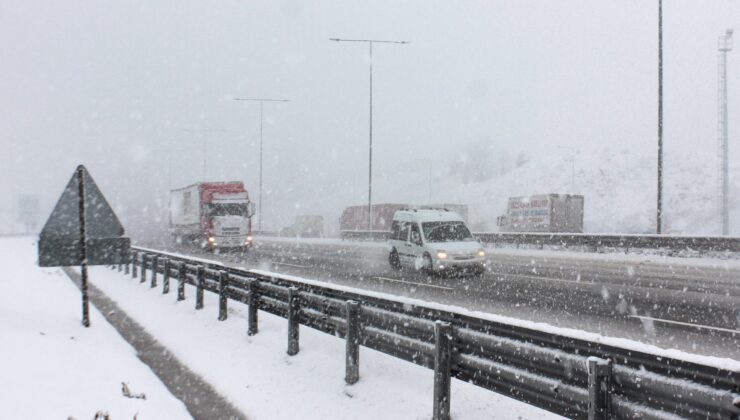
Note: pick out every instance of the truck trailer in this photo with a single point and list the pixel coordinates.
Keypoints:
(543, 213)
(212, 215)
(354, 221)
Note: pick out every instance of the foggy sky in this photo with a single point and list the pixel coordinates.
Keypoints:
(113, 84)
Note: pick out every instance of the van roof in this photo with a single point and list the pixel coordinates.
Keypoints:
(428, 215)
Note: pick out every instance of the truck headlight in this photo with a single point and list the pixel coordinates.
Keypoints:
(211, 239)
(249, 238)
(481, 253)
(441, 255)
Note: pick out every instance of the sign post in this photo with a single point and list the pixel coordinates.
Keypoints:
(83, 250)
(83, 230)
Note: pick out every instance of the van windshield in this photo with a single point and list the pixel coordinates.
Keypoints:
(446, 232)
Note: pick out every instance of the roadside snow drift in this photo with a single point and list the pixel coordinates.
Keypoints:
(54, 368)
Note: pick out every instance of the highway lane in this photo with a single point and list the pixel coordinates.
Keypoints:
(670, 305)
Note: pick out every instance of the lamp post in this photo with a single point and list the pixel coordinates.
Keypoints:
(261, 101)
(724, 45)
(201, 131)
(370, 43)
(572, 167)
(659, 213)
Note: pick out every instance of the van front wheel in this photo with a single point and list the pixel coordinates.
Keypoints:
(427, 266)
(394, 260)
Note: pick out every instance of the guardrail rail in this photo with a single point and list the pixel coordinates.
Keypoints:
(569, 376)
(590, 242)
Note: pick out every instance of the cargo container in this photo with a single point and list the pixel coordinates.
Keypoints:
(212, 215)
(543, 213)
(354, 220)
(461, 209)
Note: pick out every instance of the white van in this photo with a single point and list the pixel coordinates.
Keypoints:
(434, 240)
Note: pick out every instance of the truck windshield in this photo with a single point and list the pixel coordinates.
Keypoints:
(230, 209)
(446, 232)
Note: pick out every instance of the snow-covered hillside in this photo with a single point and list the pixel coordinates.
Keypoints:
(619, 186)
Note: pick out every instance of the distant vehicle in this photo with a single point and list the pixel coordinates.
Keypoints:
(213, 215)
(354, 221)
(434, 241)
(543, 213)
(305, 226)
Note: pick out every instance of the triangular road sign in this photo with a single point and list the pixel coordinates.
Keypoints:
(59, 242)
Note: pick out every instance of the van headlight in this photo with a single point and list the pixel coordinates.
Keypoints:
(441, 255)
(481, 253)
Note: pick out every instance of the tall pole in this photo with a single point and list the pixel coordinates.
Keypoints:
(205, 158)
(572, 152)
(724, 45)
(659, 215)
(259, 226)
(203, 132)
(370, 158)
(370, 42)
(430, 182)
(259, 198)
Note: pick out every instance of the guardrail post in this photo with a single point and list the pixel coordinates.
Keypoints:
(223, 283)
(599, 387)
(253, 303)
(134, 257)
(293, 321)
(120, 268)
(352, 365)
(442, 363)
(143, 268)
(155, 266)
(125, 266)
(166, 277)
(200, 279)
(181, 278)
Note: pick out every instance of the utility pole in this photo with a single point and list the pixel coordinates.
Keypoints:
(659, 215)
(202, 132)
(261, 101)
(724, 45)
(572, 167)
(370, 43)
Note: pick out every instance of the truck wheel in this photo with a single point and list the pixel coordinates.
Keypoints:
(394, 260)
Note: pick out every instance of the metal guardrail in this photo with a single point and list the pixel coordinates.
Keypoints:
(565, 375)
(593, 242)
(701, 244)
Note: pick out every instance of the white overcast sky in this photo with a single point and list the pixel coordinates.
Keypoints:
(113, 84)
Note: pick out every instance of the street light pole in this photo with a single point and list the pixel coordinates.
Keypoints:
(205, 144)
(659, 215)
(724, 45)
(370, 43)
(572, 167)
(261, 101)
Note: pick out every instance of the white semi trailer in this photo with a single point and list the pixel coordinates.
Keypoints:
(543, 213)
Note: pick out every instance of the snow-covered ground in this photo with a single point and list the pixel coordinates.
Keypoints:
(52, 367)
